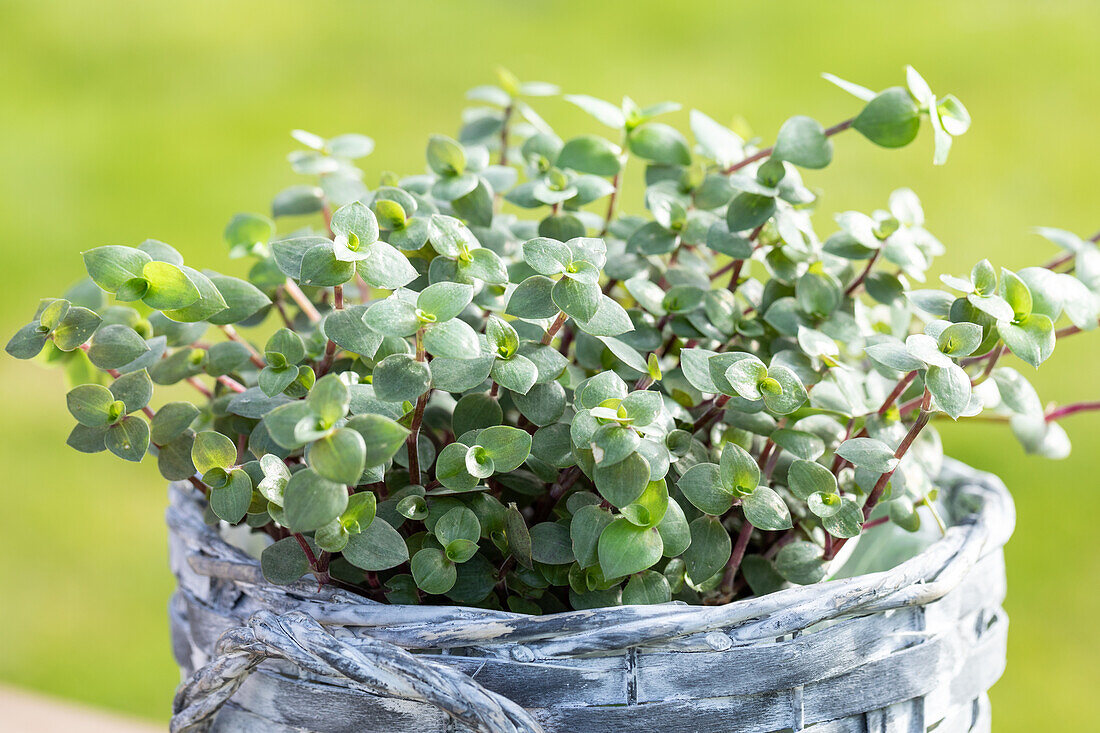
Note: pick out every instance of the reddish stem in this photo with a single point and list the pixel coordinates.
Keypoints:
(839, 127)
(884, 479)
(554, 328)
(302, 301)
(736, 557)
(1072, 409)
(253, 355)
(863, 275)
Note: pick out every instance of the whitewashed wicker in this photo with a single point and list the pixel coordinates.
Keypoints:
(910, 649)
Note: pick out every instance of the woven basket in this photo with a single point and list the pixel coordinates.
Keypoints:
(908, 649)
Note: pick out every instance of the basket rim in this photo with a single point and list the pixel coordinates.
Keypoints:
(922, 579)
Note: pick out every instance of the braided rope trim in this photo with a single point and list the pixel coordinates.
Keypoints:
(372, 666)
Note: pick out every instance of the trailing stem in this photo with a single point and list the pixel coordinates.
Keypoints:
(412, 442)
(884, 479)
(330, 346)
(863, 275)
(1072, 410)
(302, 301)
(253, 355)
(839, 127)
(554, 328)
(736, 557)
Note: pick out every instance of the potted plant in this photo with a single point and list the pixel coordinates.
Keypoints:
(496, 453)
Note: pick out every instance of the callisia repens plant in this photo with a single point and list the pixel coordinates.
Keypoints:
(490, 384)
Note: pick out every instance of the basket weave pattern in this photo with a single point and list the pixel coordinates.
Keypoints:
(902, 650)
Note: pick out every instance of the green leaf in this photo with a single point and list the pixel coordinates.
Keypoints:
(584, 532)
(444, 300)
(507, 446)
(382, 437)
(874, 455)
(960, 339)
(802, 141)
(799, 443)
(649, 509)
(91, 405)
(284, 561)
(339, 457)
(247, 233)
(577, 299)
(174, 457)
(674, 529)
(457, 524)
(321, 268)
(134, 390)
(128, 439)
(612, 443)
(1016, 293)
(623, 482)
(891, 119)
(748, 211)
(312, 501)
(433, 572)
(362, 508)
(625, 548)
(590, 154)
(738, 471)
(242, 298)
(533, 299)
(329, 399)
(453, 338)
(703, 487)
(393, 317)
(950, 386)
(210, 300)
(230, 503)
(28, 342)
(791, 394)
(746, 376)
(297, 201)
(518, 374)
(459, 551)
(446, 156)
(385, 267)
(611, 319)
(551, 544)
(845, 523)
(459, 375)
(399, 377)
(168, 287)
(378, 547)
(660, 143)
(213, 450)
(348, 329)
(547, 256)
(1031, 339)
(111, 266)
(648, 587)
(172, 420)
(709, 550)
(805, 478)
(801, 563)
(115, 346)
(519, 538)
(765, 510)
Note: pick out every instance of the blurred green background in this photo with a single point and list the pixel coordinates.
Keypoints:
(127, 120)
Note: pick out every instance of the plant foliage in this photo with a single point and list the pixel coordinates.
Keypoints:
(485, 385)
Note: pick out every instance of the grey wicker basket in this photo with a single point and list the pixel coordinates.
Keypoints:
(908, 649)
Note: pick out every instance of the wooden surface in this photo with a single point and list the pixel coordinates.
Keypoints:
(22, 711)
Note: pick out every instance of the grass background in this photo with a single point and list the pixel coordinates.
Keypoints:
(125, 120)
